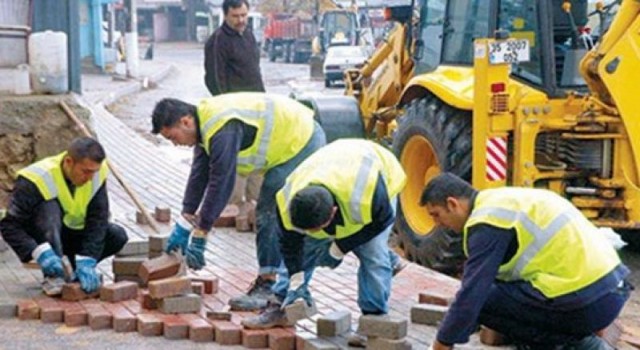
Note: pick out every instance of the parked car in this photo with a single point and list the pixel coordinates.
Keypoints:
(340, 58)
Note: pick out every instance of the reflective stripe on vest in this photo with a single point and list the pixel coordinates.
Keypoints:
(541, 236)
(259, 160)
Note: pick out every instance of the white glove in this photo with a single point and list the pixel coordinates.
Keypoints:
(296, 280)
(335, 251)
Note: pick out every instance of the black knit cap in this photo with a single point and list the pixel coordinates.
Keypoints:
(311, 207)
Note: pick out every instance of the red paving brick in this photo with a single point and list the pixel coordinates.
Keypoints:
(28, 309)
(282, 339)
(227, 333)
(75, 315)
(123, 320)
(255, 339)
(175, 327)
(50, 310)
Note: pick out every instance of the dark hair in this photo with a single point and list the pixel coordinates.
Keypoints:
(86, 148)
(226, 4)
(168, 112)
(444, 186)
(311, 207)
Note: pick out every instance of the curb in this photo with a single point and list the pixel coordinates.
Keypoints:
(135, 85)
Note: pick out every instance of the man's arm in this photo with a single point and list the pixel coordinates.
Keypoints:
(214, 64)
(197, 183)
(291, 247)
(488, 246)
(223, 150)
(20, 214)
(382, 215)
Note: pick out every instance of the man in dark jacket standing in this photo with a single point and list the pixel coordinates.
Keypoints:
(231, 55)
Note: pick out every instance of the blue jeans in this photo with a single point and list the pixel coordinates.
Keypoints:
(543, 326)
(267, 241)
(374, 274)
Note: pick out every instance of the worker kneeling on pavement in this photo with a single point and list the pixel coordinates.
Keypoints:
(537, 271)
(341, 199)
(60, 207)
(243, 132)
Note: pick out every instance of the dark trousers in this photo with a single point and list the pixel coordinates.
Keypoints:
(48, 227)
(527, 323)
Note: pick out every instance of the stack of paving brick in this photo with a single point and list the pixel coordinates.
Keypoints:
(431, 308)
(384, 332)
(126, 263)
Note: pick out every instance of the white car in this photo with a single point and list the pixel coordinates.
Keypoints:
(340, 58)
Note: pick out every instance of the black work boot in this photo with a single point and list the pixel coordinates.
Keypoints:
(256, 297)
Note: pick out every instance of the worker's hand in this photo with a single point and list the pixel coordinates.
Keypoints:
(86, 273)
(297, 290)
(195, 251)
(49, 261)
(331, 258)
(179, 236)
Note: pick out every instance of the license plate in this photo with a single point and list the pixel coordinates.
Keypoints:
(509, 51)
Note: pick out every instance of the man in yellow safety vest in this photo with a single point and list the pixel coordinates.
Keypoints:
(60, 207)
(537, 271)
(245, 132)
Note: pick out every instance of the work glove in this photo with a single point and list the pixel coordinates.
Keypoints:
(179, 236)
(297, 290)
(331, 258)
(86, 273)
(49, 261)
(195, 251)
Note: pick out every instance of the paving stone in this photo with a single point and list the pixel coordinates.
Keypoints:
(374, 343)
(50, 310)
(162, 213)
(133, 248)
(197, 288)
(255, 338)
(200, 330)
(490, 337)
(8, 308)
(383, 326)
(131, 278)
(428, 314)
(228, 216)
(299, 310)
(98, 317)
(119, 291)
(219, 315)
(148, 302)
(319, 344)
(74, 292)
(75, 315)
(210, 283)
(168, 287)
(161, 267)
(128, 265)
(158, 242)
(123, 320)
(180, 304)
(302, 336)
(334, 323)
(227, 333)
(435, 297)
(149, 325)
(175, 327)
(133, 305)
(28, 309)
(282, 339)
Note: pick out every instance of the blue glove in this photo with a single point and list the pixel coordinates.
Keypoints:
(179, 236)
(297, 290)
(86, 273)
(331, 258)
(195, 252)
(49, 261)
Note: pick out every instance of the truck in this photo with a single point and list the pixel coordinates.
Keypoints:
(502, 93)
(288, 36)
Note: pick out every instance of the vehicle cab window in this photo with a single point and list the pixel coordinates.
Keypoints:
(466, 21)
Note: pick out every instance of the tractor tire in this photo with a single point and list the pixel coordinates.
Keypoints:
(432, 138)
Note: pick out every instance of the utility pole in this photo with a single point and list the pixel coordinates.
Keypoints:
(131, 40)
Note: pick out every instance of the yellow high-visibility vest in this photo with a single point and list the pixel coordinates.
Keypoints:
(559, 250)
(349, 169)
(48, 177)
(284, 126)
